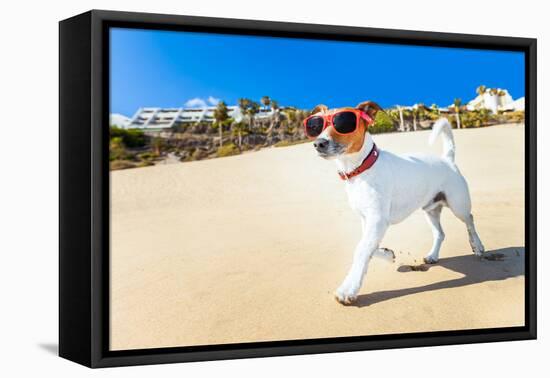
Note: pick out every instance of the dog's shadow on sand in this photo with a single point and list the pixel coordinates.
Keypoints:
(496, 265)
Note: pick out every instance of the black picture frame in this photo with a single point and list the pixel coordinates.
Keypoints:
(84, 188)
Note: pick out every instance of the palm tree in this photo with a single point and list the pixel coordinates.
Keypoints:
(274, 119)
(295, 118)
(457, 103)
(401, 121)
(415, 114)
(158, 145)
(481, 90)
(244, 104)
(290, 115)
(239, 128)
(278, 117)
(251, 111)
(393, 113)
(220, 116)
(421, 112)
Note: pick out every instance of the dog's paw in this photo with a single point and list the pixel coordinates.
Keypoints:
(346, 294)
(431, 260)
(477, 247)
(344, 299)
(478, 250)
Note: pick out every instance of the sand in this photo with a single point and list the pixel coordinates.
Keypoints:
(251, 248)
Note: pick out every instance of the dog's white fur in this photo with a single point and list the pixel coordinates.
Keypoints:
(393, 188)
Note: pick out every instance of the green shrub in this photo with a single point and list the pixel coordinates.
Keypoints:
(432, 116)
(132, 138)
(452, 120)
(117, 150)
(147, 156)
(228, 150)
(516, 117)
(194, 154)
(383, 123)
(476, 118)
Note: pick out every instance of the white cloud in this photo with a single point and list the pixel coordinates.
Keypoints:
(196, 103)
(213, 100)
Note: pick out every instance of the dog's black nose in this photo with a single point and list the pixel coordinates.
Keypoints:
(321, 144)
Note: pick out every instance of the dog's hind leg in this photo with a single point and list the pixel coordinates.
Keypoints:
(475, 242)
(460, 205)
(433, 216)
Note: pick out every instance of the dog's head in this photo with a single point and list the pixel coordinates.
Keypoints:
(331, 144)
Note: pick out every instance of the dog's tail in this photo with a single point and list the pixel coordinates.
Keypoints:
(442, 126)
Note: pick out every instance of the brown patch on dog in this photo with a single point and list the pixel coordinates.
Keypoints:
(439, 200)
(440, 197)
(353, 141)
(369, 107)
(320, 109)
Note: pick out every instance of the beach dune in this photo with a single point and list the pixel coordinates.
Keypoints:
(251, 248)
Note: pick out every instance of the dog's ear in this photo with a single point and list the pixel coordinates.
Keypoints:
(320, 108)
(369, 107)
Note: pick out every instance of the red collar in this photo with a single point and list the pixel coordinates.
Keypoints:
(366, 164)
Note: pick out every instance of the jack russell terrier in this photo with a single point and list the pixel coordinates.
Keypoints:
(385, 188)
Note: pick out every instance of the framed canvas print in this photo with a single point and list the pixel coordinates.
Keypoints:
(234, 188)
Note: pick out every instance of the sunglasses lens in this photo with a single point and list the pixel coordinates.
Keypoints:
(314, 126)
(345, 122)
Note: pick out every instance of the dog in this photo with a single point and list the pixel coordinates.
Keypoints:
(385, 188)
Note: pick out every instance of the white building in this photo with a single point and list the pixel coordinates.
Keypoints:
(491, 100)
(119, 120)
(165, 118)
(517, 105)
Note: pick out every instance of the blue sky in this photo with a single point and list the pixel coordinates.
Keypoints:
(168, 69)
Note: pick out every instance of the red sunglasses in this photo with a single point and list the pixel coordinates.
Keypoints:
(343, 121)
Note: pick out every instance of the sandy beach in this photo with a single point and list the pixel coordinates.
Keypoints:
(251, 248)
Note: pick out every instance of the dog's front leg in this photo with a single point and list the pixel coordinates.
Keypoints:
(373, 232)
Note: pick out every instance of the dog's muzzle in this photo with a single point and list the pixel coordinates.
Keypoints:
(321, 145)
(328, 148)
